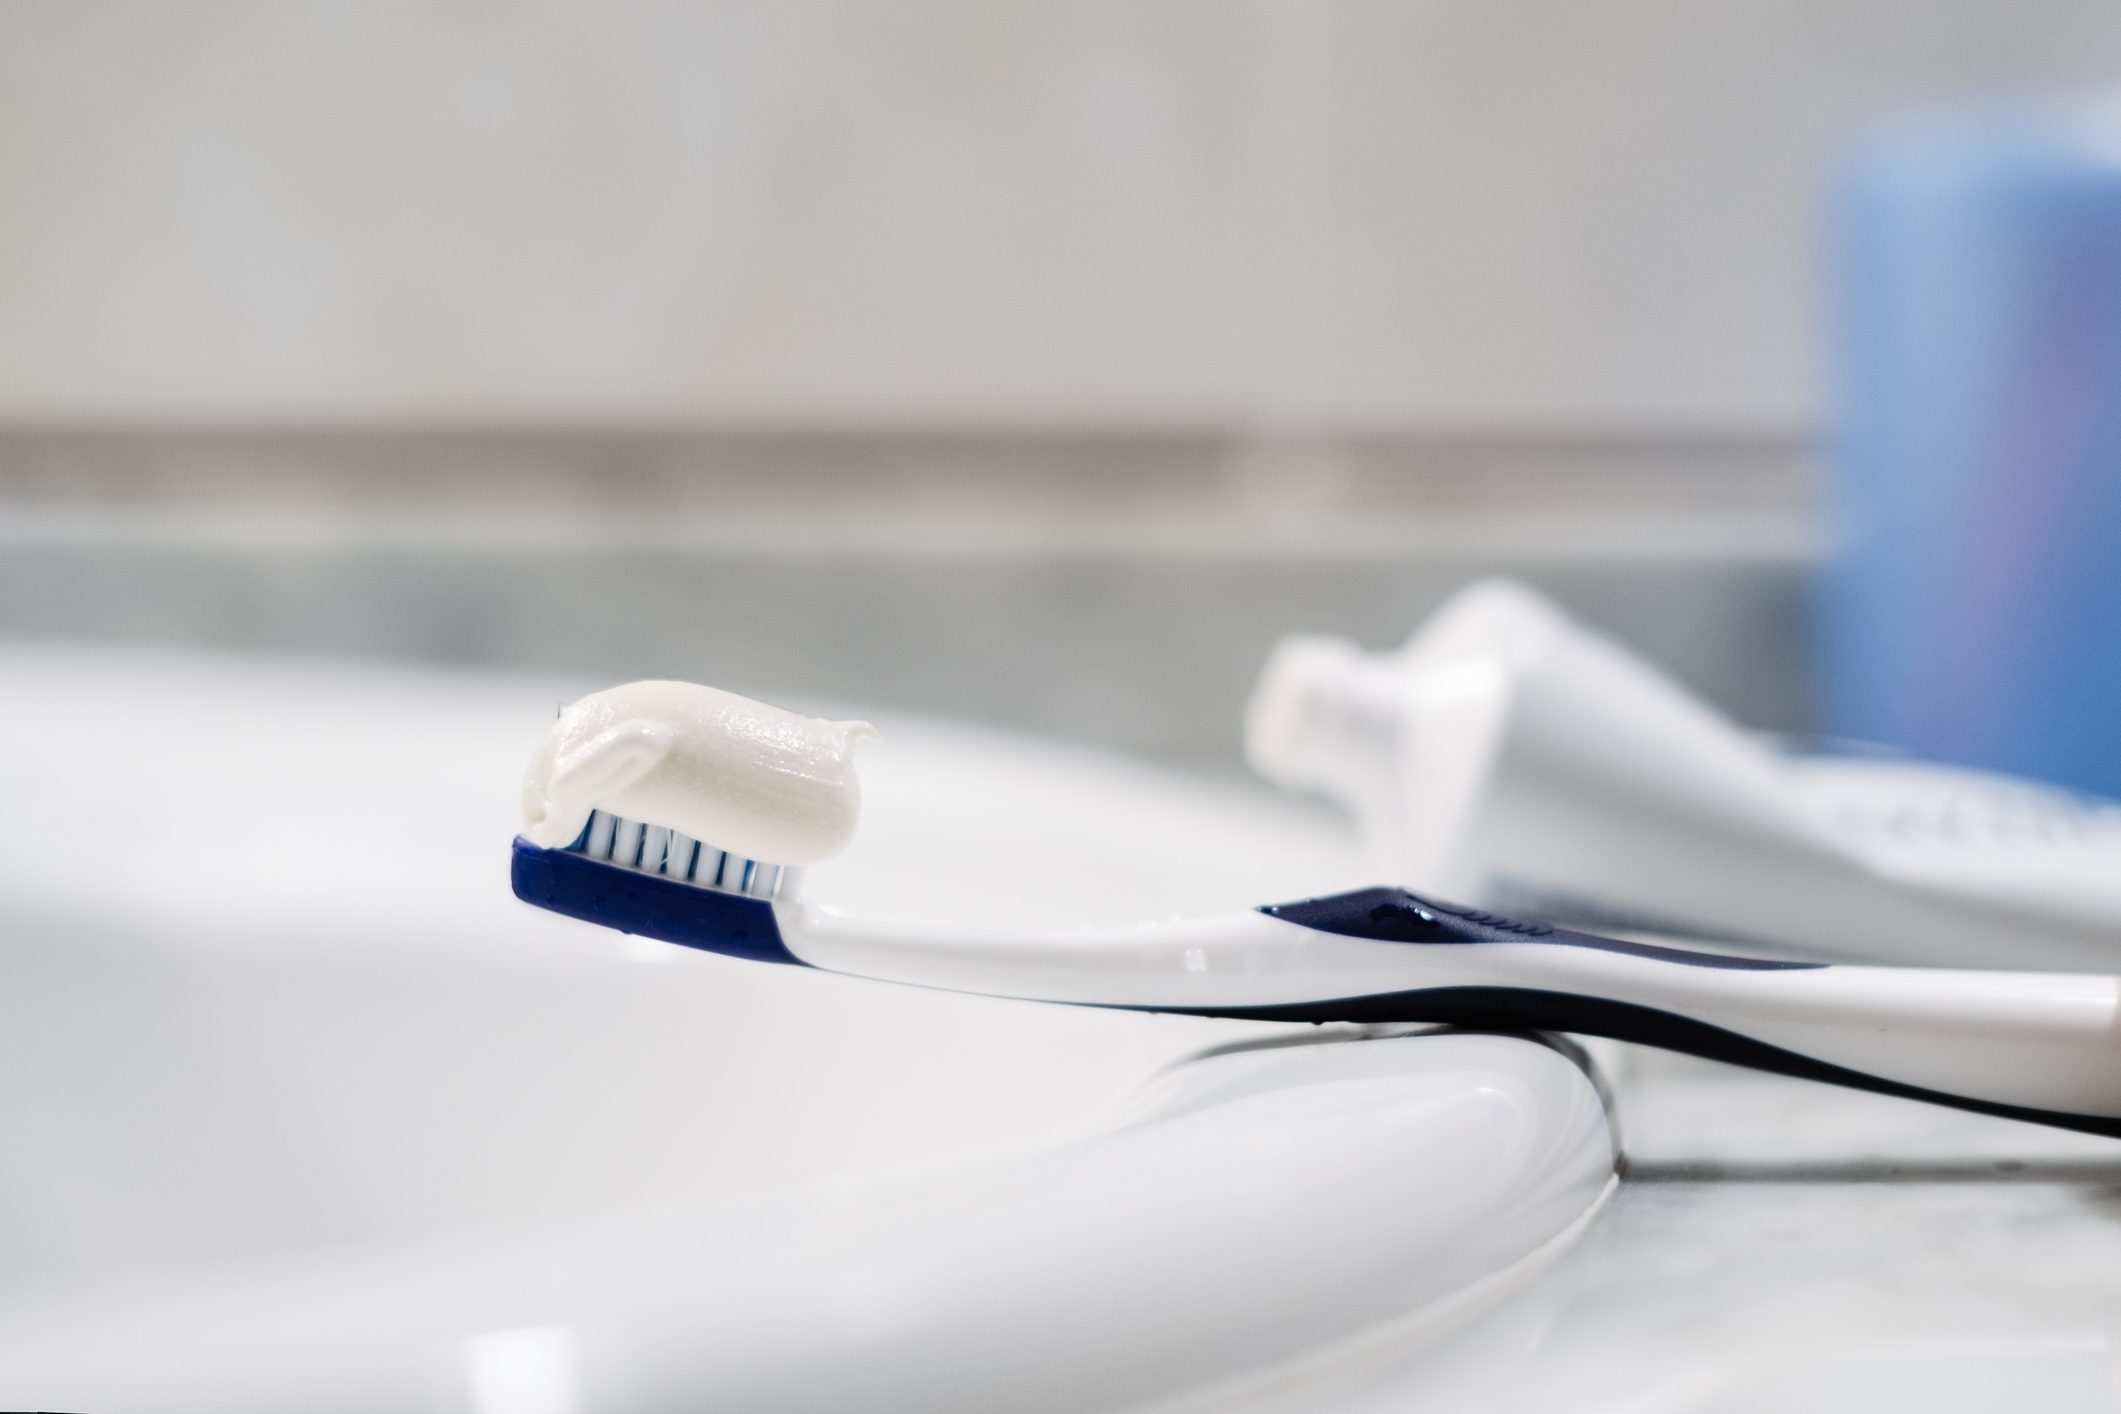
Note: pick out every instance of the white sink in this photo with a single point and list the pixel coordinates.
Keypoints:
(305, 1111)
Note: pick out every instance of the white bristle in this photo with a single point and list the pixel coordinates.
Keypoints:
(626, 842)
(655, 839)
(677, 859)
(657, 849)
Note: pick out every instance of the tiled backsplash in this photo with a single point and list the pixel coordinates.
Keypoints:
(1043, 361)
(1116, 588)
(1283, 216)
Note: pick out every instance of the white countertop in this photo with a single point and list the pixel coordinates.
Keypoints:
(1774, 1244)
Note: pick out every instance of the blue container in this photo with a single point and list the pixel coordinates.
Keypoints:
(1973, 612)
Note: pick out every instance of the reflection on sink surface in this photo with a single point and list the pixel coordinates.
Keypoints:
(322, 1118)
(2053, 1376)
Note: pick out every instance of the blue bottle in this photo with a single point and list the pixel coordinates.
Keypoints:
(1972, 612)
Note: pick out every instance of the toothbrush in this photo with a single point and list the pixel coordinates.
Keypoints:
(777, 791)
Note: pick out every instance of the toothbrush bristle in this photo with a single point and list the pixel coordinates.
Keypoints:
(656, 849)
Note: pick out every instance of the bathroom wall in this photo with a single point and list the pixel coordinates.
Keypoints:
(1400, 215)
(1050, 343)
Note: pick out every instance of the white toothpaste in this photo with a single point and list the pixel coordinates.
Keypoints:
(739, 775)
(1511, 759)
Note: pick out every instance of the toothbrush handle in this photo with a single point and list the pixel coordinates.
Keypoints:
(2036, 1046)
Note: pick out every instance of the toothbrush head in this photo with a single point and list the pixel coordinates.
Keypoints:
(683, 812)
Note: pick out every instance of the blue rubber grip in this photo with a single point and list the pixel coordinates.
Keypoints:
(1397, 916)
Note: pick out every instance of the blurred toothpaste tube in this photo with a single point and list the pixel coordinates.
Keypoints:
(1509, 758)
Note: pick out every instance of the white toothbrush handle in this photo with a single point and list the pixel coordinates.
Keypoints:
(2036, 1046)
(2027, 1040)
(2002, 1041)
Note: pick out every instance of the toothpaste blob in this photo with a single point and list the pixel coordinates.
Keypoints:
(739, 775)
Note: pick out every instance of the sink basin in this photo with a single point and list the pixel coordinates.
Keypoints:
(307, 1112)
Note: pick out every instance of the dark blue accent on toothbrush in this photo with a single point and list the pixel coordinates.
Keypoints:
(649, 905)
(1397, 916)
(1533, 1009)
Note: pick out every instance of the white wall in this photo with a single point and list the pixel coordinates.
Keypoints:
(1545, 213)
